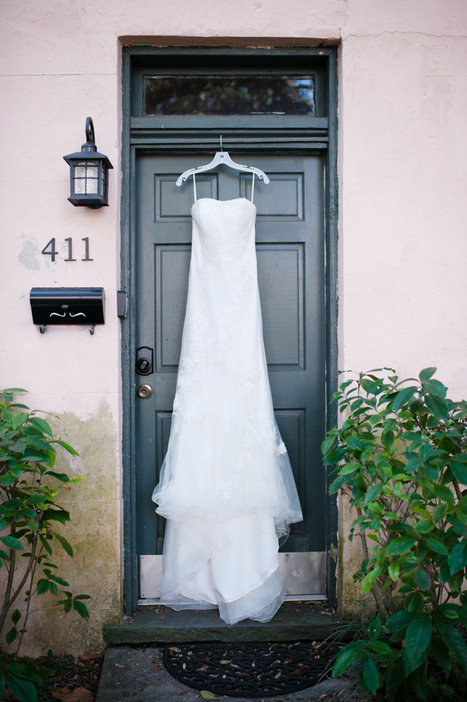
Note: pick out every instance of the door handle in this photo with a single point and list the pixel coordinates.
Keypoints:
(144, 391)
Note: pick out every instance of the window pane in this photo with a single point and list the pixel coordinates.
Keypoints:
(92, 186)
(229, 95)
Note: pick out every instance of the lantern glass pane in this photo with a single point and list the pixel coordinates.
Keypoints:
(80, 186)
(92, 179)
(86, 178)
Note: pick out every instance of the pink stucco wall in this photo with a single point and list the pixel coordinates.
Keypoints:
(402, 179)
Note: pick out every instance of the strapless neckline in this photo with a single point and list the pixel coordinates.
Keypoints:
(231, 200)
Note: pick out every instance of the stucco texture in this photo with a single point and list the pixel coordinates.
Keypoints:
(402, 213)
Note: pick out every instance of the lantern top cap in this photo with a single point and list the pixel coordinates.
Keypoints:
(89, 148)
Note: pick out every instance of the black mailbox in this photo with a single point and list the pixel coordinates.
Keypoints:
(67, 306)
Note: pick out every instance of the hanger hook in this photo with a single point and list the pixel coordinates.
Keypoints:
(220, 141)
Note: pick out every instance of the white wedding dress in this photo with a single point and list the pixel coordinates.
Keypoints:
(226, 485)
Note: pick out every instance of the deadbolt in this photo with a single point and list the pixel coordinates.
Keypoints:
(144, 360)
(144, 391)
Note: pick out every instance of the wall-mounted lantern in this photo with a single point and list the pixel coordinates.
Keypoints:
(88, 173)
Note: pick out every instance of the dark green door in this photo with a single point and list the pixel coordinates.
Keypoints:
(290, 252)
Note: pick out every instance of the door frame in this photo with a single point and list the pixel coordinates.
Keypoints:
(140, 134)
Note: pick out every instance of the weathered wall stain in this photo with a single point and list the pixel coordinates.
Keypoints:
(94, 532)
(28, 255)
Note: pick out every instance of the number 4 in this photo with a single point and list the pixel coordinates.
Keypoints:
(53, 251)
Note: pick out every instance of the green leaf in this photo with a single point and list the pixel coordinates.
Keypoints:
(353, 443)
(11, 542)
(24, 690)
(414, 601)
(207, 695)
(16, 616)
(426, 373)
(81, 608)
(457, 558)
(26, 671)
(42, 425)
(350, 468)
(399, 621)
(45, 544)
(373, 492)
(421, 579)
(371, 675)
(59, 515)
(337, 484)
(402, 397)
(11, 635)
(382, 648)
(437, 406)
(8, 480)
(434, 386)
(413, 464)
(454, 640)
(43, 586)
(34, 458)
(368, 580)
(57, 579)
(396, 547)
(345, 659)
(418, 635)
(225, 662)
(439, 513)
(393, 570)
(66, 446)
(328, 444)
(395, 676)
(459, 471)
(35, 499)
(443, 493)
(63, 477)
(65, 545)
(424, 526)
(436, 546)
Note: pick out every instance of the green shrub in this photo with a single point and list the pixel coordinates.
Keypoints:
(401, 456)
(29, 515)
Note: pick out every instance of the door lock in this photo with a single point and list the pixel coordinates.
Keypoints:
(144, 391)
(144, 360)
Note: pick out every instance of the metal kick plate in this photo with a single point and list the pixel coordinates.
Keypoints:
(304, 574)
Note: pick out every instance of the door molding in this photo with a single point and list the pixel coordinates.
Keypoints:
(144, 133)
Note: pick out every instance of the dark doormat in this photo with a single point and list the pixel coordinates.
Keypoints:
(250, 669)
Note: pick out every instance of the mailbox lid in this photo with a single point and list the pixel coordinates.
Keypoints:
(67, 305)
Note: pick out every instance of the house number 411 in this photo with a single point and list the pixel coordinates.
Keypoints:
(50, 250)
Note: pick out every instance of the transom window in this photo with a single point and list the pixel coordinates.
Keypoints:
(229, 95)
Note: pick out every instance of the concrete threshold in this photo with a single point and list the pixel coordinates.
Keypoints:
(295, 621)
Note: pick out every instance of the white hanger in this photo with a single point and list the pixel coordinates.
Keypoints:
(222, 158)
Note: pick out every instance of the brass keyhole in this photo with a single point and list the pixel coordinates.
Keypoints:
(144, 391)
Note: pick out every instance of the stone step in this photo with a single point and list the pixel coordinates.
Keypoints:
(295, 621)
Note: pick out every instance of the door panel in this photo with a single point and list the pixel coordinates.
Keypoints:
(290, 254)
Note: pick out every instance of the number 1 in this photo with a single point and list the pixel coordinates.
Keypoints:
(70, 249)
(86, 249)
